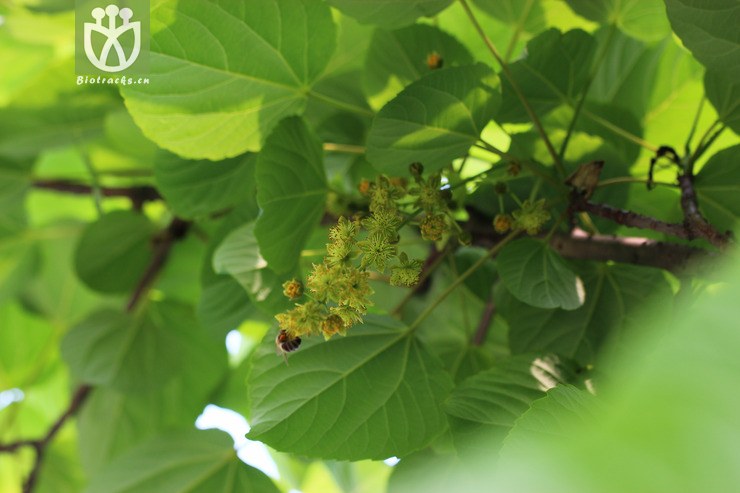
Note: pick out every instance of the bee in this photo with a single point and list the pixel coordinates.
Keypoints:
(285, 344)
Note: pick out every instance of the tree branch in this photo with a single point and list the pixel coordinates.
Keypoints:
(629, 250)
(696, 225)
(137, 194)
(40, 445)
(628, 218)
(489, 310)
(580, 245)
(163, 242)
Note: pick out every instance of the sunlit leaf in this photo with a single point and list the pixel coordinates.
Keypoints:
(645, 19)
(397, 58)
(562, 59)
(434, 120)
(708, 29)
(389, 13)
(239, 255)
(206, 98)
(723, 90)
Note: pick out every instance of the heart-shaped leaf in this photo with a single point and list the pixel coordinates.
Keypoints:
(373, 394)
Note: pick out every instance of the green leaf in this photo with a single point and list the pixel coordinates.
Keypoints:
(528, 16)
(239, 256)
(196, 461)
(373, 394)
(223, 305)
(553, 73)
(397, 58)
(645, 19)
(196, 188)
(614, 295)
(667, 418)
(14, 183)
(717, 188)
(207, 99)
(723, 90)
(133, 353)
(538, 276)
(23, 340)
(114, 349)
(73, 119)
(24, 62)
(19, 260)
(60, 471)
(112, 422)
(434, 120)
(497, 396)
(627, 72)
(292, 192)
(412, 473)
(451, 333)
(114, 251)
(389, 13)
(555, 414)
(708, 29)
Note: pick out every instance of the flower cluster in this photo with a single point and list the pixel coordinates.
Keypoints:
(530, 217)
(338, 289)
(431, 199)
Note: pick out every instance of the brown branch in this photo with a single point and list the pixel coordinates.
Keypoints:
(39, 445)
(629, 250)
(695, 223)
(580, 245)
(137, 194)
(629, 218)
(485, 322)
(176, 230)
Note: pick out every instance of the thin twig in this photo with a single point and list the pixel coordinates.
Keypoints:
(507, 73)
(584, 93)
(347, 148)
(137, 194)
(694, 124)
(176, 230)
(490, 253)
(619, 131)
(481, 333)
(694, 221)
(40, 445)
(518, 30)
(631, 179)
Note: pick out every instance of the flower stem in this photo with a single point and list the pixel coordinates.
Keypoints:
(491, 252)
(505, 69)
